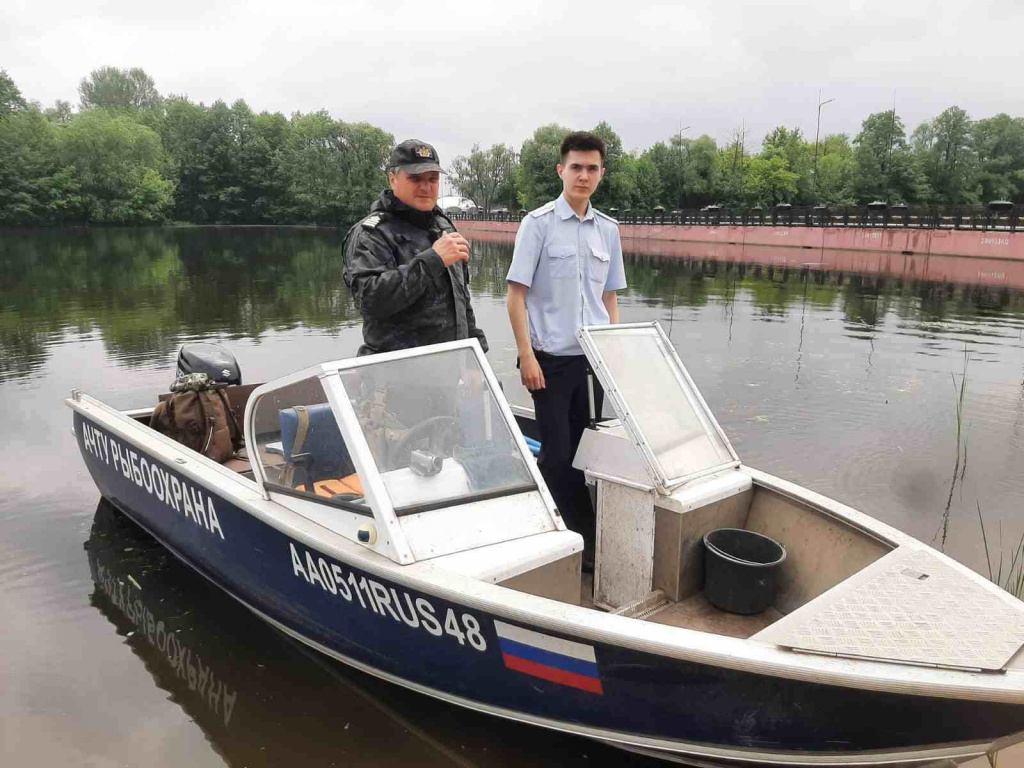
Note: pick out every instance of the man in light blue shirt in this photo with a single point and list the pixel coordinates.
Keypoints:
(566, 269)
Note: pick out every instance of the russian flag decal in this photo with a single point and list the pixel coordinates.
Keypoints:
(550, 658)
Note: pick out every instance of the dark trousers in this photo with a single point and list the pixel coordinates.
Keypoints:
(563, 412)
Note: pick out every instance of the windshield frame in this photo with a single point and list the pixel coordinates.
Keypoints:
(688, 389)
(376, 491)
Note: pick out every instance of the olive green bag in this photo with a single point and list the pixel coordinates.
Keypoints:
(198, 416)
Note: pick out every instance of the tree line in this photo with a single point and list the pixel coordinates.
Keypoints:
(949, 160)
(129, 155)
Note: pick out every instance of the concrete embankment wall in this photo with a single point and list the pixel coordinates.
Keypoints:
(920, 242)
(916, 254)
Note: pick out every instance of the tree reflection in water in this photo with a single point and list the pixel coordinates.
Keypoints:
(144, 290)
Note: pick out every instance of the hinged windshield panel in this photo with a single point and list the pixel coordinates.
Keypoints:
(301, 449)
(657, 401)
(435, 430)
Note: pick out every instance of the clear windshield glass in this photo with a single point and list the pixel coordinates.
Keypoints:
(435, 430)
(665, 406)
(301, 449)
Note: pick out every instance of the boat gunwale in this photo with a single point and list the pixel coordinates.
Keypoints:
(680, 643)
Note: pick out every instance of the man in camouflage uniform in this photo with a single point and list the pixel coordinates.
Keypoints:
(407, 267)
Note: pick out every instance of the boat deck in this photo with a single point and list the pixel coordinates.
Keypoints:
(696, 613)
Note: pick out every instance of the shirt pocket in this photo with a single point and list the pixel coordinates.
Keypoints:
(561, 261)
(598, 264)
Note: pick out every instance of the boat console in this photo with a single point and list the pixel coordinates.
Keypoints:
(415, 455)
(666, 475)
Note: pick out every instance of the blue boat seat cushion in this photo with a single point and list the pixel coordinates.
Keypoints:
(322, 454)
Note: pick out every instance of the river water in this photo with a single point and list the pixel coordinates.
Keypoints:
(115, 654)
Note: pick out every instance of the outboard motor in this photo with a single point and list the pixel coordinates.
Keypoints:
(211, 359)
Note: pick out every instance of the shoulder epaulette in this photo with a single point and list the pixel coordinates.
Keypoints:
(606, 216)
(546, 208)
(372, 220)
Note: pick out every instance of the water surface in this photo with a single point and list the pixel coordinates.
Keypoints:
(844, 382)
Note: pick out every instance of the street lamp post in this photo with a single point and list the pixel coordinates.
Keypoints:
(682, 193)
(816, 130)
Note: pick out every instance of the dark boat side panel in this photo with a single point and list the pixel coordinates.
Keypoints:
(457, 651)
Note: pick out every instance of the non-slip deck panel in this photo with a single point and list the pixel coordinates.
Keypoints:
(910, 607)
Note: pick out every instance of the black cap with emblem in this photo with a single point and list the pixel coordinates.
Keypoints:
(414, 156)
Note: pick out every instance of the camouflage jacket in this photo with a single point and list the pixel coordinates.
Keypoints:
(406, 295)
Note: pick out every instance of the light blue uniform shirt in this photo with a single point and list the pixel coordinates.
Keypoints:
(567, 263)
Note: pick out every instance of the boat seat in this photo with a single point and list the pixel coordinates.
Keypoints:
(706, 490)
(312, 445)
(350, 486)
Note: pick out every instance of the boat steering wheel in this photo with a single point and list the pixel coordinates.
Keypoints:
(436, 427)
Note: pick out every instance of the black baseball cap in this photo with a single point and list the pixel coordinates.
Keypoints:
(414, 156)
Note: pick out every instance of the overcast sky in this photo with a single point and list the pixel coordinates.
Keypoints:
(457, 73)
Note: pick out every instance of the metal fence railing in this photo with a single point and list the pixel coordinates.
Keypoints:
(997, 216)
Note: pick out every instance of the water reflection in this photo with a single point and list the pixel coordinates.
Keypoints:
(260, 699)
(142, 291)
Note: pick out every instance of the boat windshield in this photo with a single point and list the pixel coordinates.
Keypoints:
(435, 430)
(656, 399)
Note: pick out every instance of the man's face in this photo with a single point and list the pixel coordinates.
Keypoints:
(417, 190)
(580, 173)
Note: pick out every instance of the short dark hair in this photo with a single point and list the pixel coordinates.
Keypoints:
(582, 141)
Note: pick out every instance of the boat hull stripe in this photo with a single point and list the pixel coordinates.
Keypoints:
(549, 659)
(546, 642)
(553, 675)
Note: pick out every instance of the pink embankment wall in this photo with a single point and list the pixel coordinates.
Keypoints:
(917, 242)
(977, 258)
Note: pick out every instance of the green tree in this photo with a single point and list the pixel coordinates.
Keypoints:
(730, 170)
(886, 169)
(60, 113)
(611, 193)
(999, 143)
(224, 131)
(699, 172)
(264, 189)
(669, 163)
(11, 100)
(647, 185)
(117, 162)
(833, 182)
(769, 180)
(483, 175)
(620, 189)
(34, 188)
(365, 150)
(538, 181)
(118, 89)
(944, 150)
(333, 170)
(789, 144)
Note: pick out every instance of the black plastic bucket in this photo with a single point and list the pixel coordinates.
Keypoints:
(741, 570)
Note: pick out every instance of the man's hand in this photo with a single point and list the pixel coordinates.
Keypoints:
(452, 248)
(530, 372)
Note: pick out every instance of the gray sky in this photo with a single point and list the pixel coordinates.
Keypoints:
(456, 73)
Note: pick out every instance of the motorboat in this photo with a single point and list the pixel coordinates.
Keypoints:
(388, 512)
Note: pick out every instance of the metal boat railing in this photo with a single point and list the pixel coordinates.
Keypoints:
(998, 216)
